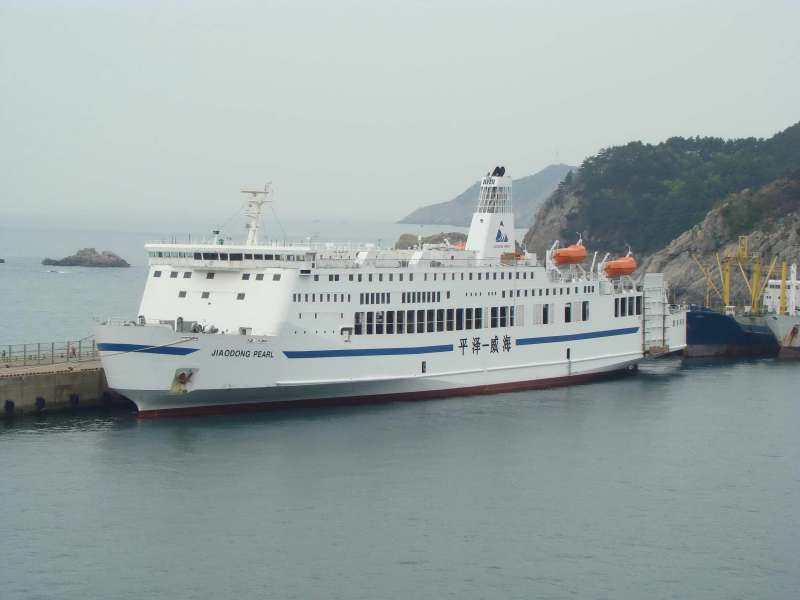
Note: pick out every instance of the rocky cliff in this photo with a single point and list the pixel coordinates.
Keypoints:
(769, 216)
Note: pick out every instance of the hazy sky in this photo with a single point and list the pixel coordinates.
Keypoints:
(146, 110)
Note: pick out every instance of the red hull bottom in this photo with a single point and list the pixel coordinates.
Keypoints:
(498, 388)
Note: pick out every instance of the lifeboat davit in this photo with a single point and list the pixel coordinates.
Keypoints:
(571, 255)
(621, 266)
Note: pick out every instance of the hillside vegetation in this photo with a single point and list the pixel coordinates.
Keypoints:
(646, 195)
(528, 194)
(769, 215)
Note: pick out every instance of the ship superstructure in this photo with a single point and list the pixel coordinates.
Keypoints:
(225, 326)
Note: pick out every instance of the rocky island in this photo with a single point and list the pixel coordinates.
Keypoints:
(88, 257)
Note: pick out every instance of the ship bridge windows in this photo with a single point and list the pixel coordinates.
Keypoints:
(235, 256)
(156, 273)
(210, 275)
(173, 275)
(210, 256)
(187, 275)
(440, 320)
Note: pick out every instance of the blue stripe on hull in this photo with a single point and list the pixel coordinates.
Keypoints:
(173, 350)
(367, 351)
(576, 336)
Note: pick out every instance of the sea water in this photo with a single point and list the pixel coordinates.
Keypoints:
(678, 482)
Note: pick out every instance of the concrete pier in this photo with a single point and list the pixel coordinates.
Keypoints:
(39, 389)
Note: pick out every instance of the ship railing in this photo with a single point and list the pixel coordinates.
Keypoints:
(48, 353)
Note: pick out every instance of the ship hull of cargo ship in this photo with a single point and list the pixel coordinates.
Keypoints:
(709, 333)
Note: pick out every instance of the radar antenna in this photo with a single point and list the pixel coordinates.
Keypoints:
(253, 211)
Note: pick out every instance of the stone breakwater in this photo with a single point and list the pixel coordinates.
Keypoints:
(55, 388)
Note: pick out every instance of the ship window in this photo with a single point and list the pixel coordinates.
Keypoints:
(348, 297)
(503, 316)
(350, 277)
(245, 276)
(197, 256)
(260, 277)
(431, 320)
(328, 298)
(459, 319)
(361, 298)
(379, 322)
(359, 276)
(248, 257)
(389, 321)
(411, 277)
(211, 256)
(440, 319)
(421, 321)
(258, 256)
(209, 275)
(359, 323)
(401, 277)
(156, 273)
(567, 312)
(623, 305)
(205, 295)
(240, 296)
(546, 292)
(187, 275)
(330, 277)
(494, 275)
(380, 277)
(424, 366)
(450, 316)
(402, 297)
(400, 321)
(316, 277)
(616, 307)
(493, 321)
(306, 298)
(276, 277)
(478, 318)
(409, 321)
(467, 318)
(369, 277)
(236, 257)
(585, 310)
(173, 275)
(630, 305)
(638, 305)
(370, 322)
(268, 257)
(182, 294)
(545, 314)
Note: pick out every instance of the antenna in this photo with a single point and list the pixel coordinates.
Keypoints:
(253, 211)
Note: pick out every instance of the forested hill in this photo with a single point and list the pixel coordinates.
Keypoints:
(528, 193)
(645, 195)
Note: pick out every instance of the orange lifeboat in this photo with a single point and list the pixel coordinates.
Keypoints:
(571, 255)
(621, 266)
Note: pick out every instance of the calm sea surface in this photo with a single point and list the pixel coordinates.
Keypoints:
(679, 482)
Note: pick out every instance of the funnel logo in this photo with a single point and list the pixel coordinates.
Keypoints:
(501, 235)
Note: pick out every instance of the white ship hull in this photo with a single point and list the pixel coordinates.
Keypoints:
(228, 373)
(786, 330)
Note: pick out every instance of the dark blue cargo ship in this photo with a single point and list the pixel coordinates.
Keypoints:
(710, 333)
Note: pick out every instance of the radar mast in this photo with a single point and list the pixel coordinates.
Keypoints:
(253, 210)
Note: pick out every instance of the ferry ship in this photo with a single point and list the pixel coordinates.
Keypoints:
(241, 326)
